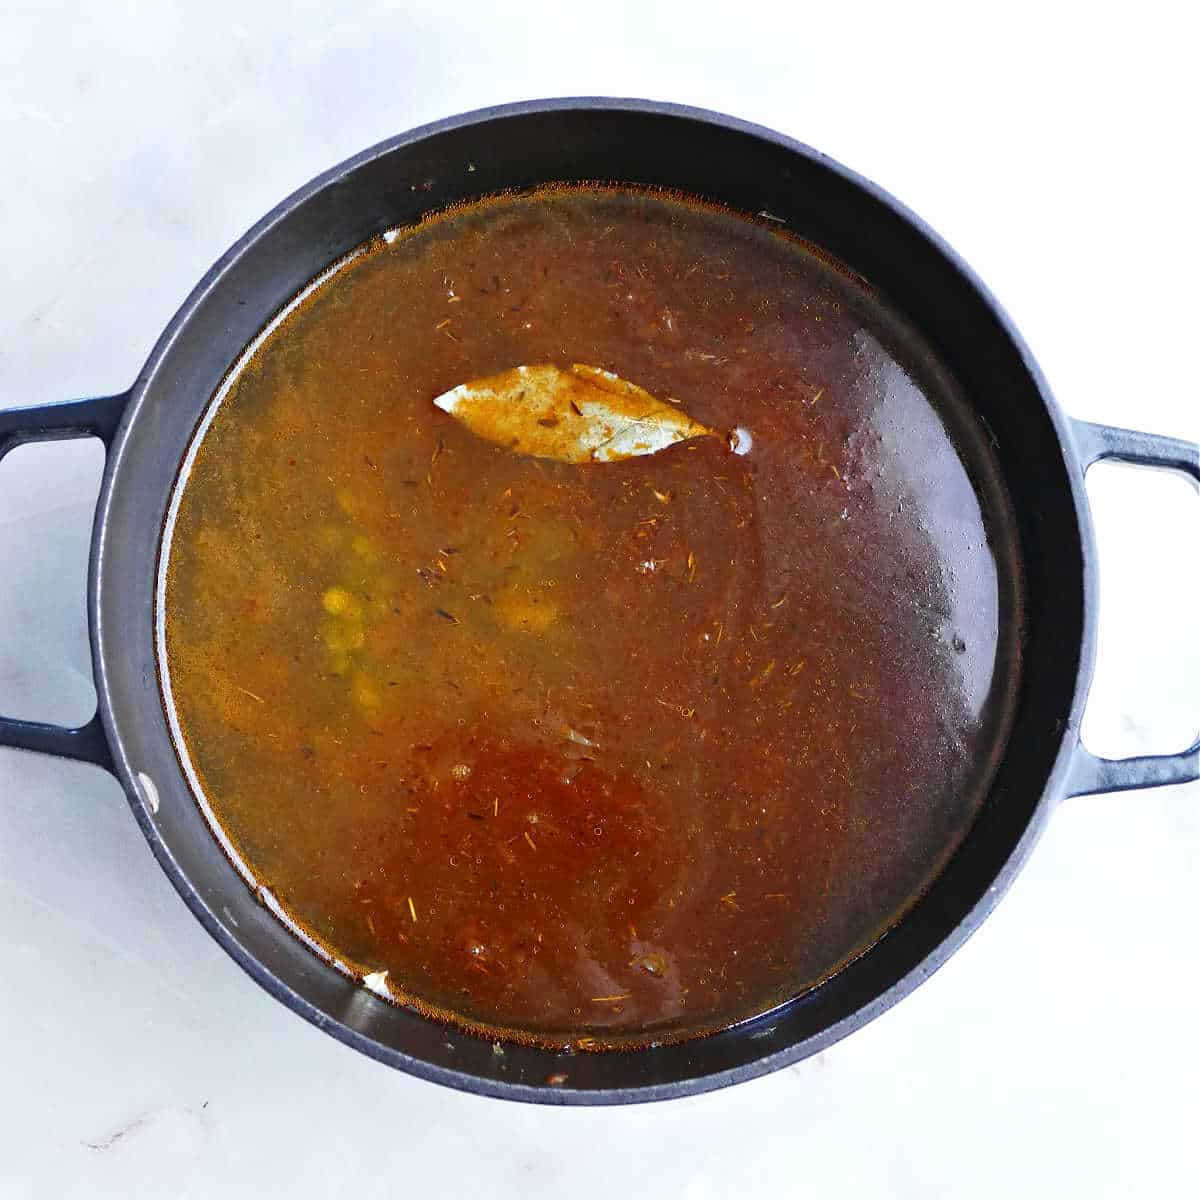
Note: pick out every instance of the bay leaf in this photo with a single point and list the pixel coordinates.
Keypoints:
(582, 415)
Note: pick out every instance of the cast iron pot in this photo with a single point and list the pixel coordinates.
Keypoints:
(1042, 454)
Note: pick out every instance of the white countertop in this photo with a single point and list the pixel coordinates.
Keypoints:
(1057, 1053)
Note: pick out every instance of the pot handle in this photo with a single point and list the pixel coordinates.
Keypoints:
(1089, 772)
(54, 422)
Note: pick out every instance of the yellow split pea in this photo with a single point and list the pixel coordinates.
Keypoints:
(344, 633)
(338, 602)
(526, 611)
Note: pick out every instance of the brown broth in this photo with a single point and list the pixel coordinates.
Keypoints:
(601, 753)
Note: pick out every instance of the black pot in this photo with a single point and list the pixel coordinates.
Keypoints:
(1043, 457)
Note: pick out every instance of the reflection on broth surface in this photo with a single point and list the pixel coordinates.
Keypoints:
(592, 752)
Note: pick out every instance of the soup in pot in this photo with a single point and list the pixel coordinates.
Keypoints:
(560, 733)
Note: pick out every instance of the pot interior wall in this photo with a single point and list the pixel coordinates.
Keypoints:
(733, 164)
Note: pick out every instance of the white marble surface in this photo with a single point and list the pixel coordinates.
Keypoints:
(1056, 1055)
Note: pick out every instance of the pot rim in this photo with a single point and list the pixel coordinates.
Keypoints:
(467, 1081)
